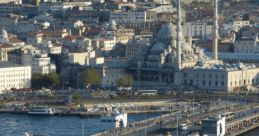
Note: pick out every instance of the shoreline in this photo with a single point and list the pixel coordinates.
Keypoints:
(81, 114)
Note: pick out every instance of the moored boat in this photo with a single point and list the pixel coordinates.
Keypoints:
(120, 119)
(41, 111)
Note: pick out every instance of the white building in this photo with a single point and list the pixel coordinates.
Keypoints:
(77, 42)
(50, 48)
(103, 45)
(82, 58)
(235, 25)
(230, 77)
(111, 71)
(247, 45)
(41, 64)
(62, 6)
(199, 29)
(31, 56)
(11, 1)
(164, 8)
(132, 16)
(14, 76)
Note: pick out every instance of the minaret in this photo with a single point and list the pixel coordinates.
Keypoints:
(190, 38)
(215, 33)
(178, 39)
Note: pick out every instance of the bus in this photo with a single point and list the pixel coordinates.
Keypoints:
(147, 92)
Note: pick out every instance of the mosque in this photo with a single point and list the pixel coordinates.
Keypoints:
(172, 61)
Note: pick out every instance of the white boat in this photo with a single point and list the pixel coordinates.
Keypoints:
(41, 111)
(183, 127)
(28, 134)
(120, 119)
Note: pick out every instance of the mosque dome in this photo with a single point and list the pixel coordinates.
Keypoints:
(158, 47)
(241, 65)
(167, 31)
(186, 47)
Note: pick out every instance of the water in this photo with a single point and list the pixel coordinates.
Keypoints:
(254, 132)
(17, 125)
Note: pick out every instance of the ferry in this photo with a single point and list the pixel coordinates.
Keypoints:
(41, 111)
(120, 119)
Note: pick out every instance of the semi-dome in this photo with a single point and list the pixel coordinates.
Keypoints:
(167, 31)
(158, 47)
(186, 47)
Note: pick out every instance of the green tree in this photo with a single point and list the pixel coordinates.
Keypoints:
(76, 98)
(125, 81)
(90, 76)
(37, 81)
(54, 79)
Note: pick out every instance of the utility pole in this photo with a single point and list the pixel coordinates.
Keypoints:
(138, 75)
(177, 125)
(192, 108)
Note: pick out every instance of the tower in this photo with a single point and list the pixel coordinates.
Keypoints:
(215, 32)
(178, 39)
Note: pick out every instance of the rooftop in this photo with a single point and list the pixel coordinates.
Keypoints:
(6, 64)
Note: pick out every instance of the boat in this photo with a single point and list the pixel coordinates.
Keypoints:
(183, 127)
(41, 111)
(120, 119)
(28, 134)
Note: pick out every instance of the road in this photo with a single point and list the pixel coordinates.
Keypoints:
(155, 124)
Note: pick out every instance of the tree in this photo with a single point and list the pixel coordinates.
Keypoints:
(37, 81)
(54, 79)
(76, 98)
(90, 76)
(125, 81)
